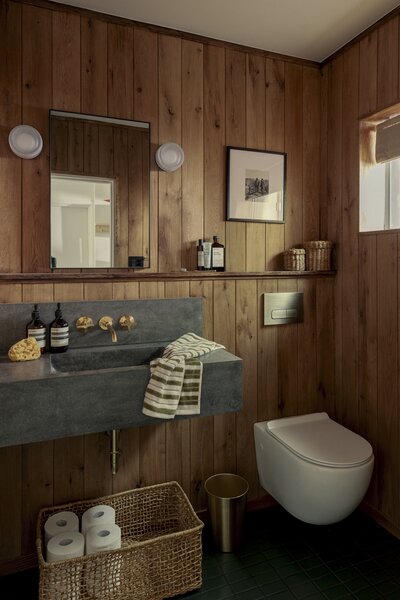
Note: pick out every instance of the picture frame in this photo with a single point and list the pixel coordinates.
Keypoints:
(255, 185)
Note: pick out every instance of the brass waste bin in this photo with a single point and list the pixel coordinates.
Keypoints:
(226, 497)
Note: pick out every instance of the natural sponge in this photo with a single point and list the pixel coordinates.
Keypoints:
(26, 349)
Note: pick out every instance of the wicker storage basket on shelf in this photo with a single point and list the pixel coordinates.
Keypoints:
(318, 255)
(294, 259)
(160, 556)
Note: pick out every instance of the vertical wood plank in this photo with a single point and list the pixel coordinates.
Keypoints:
(214, 142)
(246, 348)
(267, 372)
(120, 71)
(288, 366)
(368, 350)
(170, 184)
(37, 488)
(368, 73)
(145, 56)
(66, 61)
(121, 215)
(324, 153)
(192, 142)
(255, 138)
(177, 439)
(235, 107)
(224, 333)
(202, 428)
(388, 62)
(334, 199)
(311, 152)
(152, 438)
(388, 356)
(347, 404)
(293, 147)
(36, 98)
(275, 141)
(10, 115)
(307, 355)
(325, 346)
(94, 66)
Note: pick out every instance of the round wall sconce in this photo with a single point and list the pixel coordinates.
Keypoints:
(170, 156)
(25, 141)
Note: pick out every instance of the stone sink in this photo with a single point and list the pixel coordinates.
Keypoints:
(98, 385)
(109, 357)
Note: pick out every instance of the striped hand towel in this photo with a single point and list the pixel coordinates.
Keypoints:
(175, 378)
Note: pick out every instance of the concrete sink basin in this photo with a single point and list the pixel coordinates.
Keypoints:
(107, 357)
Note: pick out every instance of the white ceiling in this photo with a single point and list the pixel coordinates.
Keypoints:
(311, 29)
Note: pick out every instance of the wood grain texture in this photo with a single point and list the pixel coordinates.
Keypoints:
(66, 62)
(94, 66)
(367, 101)
(235, 116)
(311, 156)
(120, 71)
(10, 115)
(388, 62)
(192, 142)
(36, 98)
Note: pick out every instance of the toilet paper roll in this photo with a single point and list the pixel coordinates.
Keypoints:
(60, 522)
(103, 537)
(102, 514)
(62, 546)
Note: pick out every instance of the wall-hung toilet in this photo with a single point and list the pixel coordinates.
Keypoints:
(318, 470)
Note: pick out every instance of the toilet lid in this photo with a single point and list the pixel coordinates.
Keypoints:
(320, 440)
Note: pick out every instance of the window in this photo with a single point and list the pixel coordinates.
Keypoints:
(380, 173)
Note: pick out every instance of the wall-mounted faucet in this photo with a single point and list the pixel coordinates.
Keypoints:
(106, 323)
(127, 322)
(84, 323)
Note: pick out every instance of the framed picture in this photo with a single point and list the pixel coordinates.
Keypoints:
(256, 184)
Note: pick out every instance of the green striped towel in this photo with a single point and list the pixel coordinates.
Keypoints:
(175, 378)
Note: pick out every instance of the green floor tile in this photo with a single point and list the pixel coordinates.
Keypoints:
(243, 585)
(273, 587)
(253, 594)
(326, 582)
(339, 591)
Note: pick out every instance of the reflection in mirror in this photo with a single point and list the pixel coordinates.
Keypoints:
(99, 191)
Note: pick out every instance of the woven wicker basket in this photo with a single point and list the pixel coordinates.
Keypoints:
(318, 255)
(294, 259)
(160, 556)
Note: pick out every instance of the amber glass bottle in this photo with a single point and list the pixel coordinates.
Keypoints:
(37, 329)
(59, 332)
(217, 255)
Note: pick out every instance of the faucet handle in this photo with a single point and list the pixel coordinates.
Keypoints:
(84, 323)
(127, 322)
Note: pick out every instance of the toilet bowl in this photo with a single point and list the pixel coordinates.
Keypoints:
(318, 470)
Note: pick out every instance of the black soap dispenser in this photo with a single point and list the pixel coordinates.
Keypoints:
(37, 329)
(59, 332)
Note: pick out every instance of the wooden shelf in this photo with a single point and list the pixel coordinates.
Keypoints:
(125, 275)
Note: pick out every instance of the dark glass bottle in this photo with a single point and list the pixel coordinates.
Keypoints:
(59, 332)
(200, 256)
(37, 329)
(217, 255)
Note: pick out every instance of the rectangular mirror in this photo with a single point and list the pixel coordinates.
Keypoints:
(99, 200)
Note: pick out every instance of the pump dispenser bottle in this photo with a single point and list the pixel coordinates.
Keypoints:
(59, 332)
(37, 329)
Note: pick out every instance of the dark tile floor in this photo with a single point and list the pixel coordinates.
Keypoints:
(282, 558)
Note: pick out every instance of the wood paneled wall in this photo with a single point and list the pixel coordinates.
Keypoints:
(359, 81)
(202, 96)
(205, 97)
(287, 370)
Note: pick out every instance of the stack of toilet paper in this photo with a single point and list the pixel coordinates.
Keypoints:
(98, 531)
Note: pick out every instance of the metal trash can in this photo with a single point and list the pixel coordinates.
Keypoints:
(226, 496)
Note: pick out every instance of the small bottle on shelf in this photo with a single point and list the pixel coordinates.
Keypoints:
(217, 255)
(37, 329)
(200, 256)
(59, 332)
(207, 255)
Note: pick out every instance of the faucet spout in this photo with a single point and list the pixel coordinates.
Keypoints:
(106, 323)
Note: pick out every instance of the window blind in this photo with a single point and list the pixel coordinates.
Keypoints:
(388, 140)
